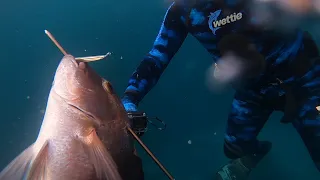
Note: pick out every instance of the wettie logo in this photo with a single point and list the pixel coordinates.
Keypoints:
(215, 24)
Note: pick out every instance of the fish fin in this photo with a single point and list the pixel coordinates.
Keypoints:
(39, 165)
(18, 168)
(101, 159)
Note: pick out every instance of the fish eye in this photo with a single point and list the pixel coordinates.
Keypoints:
(108, 87)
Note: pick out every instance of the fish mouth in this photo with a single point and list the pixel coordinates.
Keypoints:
(74, 61)
(79, 64)
(70, 58)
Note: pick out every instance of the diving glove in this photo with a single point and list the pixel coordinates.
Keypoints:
(130, 107)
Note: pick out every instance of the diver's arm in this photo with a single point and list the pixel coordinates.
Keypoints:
(169, 40)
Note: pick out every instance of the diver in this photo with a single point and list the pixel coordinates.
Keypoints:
(282, 73)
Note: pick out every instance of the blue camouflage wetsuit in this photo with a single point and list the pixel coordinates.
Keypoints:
(208, 22)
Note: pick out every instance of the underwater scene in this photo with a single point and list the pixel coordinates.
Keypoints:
(156, 90)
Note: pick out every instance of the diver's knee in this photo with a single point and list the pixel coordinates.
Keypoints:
(229, 153)
(234, 150)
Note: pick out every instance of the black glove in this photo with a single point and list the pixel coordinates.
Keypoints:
(139, 122)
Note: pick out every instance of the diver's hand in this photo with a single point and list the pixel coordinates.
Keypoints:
(130, 107)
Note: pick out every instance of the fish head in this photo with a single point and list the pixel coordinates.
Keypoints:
(85, 91)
